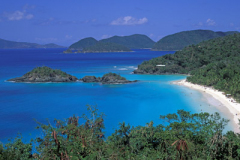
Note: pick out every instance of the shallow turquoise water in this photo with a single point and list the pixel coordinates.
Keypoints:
(136, 103)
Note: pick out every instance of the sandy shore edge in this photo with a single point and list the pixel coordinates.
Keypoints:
(229, 103)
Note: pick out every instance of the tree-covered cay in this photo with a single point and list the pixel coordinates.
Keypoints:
(109, 78)
(45, 74)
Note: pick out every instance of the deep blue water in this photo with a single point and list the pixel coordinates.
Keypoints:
(136, 103)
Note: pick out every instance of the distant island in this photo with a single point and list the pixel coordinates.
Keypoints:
(183, 39)
(101, 47)
(45, 74)
(112, 44)
(5, 44)
(135, 41)
(109, 78)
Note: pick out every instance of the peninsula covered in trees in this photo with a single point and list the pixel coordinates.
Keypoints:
(212, 63)
(183, 39)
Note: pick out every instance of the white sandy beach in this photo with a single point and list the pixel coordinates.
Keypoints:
(233, 107)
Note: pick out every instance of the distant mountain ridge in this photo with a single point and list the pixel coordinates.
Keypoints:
(6, 44)
(135, 41)
(112, 44)
(180, 40)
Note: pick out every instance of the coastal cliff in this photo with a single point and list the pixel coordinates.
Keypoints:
(45, 74)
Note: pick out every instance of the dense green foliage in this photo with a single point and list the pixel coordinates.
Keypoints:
(180, 136)
(5, 44)
(46, 71)
(135, 41)
(180, 40)
(212, 63)
(83, 43)
(116, 76)
(112, 44)
(106, 47)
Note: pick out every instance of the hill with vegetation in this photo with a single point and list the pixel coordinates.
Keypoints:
(181, 135)
(212, 63)
(83, 43)
(180, 40)
(136, 41)
(112, 44)
(106, 47)
(109, 78)
(45, 74)
(5, 44)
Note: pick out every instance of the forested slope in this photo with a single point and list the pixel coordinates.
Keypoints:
(183, 39)
(213, 63)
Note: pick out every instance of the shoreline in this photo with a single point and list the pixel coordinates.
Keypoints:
(228, 103)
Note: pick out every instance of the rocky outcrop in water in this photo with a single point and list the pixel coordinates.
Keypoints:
(109, 78)
(45, 74)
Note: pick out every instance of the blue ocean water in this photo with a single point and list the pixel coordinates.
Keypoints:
(137, 103)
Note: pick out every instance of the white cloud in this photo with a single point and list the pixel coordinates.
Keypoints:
(210, 22)
(129, 20)
(18, 15)
(151, 35)
(68, 36)
(105, 36)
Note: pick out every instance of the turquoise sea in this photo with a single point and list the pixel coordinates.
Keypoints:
(22, 104)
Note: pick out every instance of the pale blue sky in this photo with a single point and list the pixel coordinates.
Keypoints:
(66, 21)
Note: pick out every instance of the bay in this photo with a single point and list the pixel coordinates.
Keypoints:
(22, 104)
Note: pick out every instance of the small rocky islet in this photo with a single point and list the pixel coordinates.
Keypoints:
(109, 78)
(46, 74)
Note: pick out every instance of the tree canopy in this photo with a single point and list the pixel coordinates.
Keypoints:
(180, 135)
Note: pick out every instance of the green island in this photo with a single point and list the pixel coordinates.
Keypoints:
(212, 63)
(135, 41)
(183, 39)
(106, 47)
(83, 43)
(5, 44)
(112, 44)
(45, 74)
(181, 135)
(109, 78)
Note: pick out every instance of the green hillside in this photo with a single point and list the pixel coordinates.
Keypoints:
(180, 40)
(5, 44)
(135, 41)
(106, 47)
(83, 43)
(213, 63)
